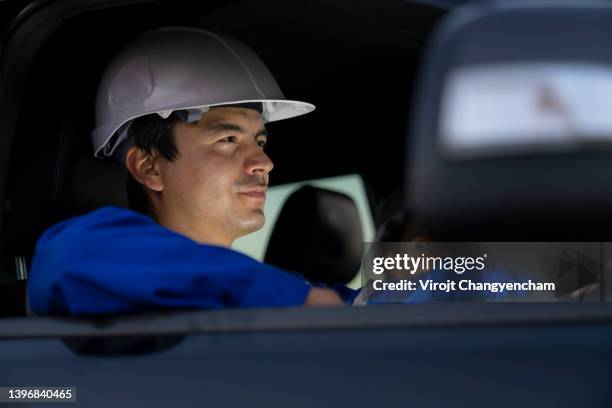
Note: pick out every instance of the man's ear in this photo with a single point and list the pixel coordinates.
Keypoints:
(144, 167)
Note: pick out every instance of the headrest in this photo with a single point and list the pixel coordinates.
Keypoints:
(51, 182)
(512, 123)
(317, 234)
(95, 183)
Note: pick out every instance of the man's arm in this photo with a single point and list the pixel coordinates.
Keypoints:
(116, 261)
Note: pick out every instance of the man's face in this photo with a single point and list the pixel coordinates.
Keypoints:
(217, 185)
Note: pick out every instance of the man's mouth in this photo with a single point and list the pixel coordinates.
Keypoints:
(256, 193)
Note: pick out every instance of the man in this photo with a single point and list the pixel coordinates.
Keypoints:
(184, 111)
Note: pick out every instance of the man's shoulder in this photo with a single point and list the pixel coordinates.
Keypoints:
(108, 217)
(117, 229)
(110, 213)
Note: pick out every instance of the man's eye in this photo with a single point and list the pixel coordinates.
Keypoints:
(262, 143)
(229, 139)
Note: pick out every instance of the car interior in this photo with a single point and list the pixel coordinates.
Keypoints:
(376, 72)
(373, 75)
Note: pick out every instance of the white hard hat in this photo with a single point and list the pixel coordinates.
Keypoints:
(180, 68)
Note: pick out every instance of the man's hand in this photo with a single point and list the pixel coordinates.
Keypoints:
(323, 297)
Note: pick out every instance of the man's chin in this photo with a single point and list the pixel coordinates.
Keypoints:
(253, 223)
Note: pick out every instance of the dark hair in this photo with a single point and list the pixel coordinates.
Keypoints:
(150, 132)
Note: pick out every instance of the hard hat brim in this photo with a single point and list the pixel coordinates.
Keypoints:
(273, 110)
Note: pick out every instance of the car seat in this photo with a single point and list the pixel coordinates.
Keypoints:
(318, 234)
(511, 136)
(478, 169)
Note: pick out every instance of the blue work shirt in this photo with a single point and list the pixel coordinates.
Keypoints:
(115, 260)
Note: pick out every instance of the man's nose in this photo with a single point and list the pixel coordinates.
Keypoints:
(258, 162)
